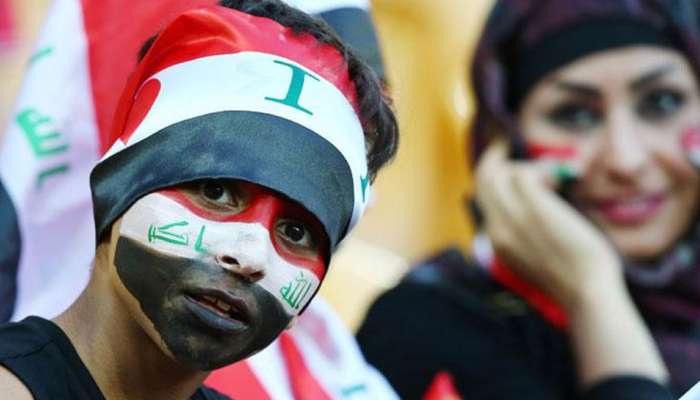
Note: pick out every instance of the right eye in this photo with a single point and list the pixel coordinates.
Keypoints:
(219, 194)
(575, 117)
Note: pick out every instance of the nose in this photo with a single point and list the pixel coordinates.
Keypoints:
(624, 153)
(246, 271)
(248, 254)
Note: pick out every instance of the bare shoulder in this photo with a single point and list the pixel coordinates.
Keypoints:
(12, 387)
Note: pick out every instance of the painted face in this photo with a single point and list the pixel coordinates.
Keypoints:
(624, 115)
(219, 268)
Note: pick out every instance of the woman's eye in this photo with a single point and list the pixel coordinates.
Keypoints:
(217, 193)
(296, 233)
(575, 117)
(659, 104)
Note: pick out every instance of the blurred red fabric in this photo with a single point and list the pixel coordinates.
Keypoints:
(7, 24)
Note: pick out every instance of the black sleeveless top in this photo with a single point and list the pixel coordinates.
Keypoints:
(43, 358)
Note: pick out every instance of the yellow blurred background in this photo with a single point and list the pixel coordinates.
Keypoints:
(419, 199)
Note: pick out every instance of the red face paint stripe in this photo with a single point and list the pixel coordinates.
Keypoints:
(691, 138)
(538, 150)
(264, 212)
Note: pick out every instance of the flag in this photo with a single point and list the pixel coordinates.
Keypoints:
(58, 132)
(7, 24)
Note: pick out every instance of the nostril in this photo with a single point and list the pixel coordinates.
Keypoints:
(228, 260)
(256, 276)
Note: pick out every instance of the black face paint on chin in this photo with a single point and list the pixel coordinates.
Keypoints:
(160, 282)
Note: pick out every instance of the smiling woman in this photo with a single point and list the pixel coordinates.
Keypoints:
(626, 126)
(585, 283)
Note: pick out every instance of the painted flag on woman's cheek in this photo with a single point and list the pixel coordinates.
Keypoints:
(57, 134)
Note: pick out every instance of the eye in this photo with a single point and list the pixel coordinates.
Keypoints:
(218, 193)
(575, 117)
(296, 234)
(659, 104)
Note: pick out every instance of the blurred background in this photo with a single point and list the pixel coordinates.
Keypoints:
(419, 204)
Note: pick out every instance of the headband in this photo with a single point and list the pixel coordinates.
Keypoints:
(531, 63)
(226, 95)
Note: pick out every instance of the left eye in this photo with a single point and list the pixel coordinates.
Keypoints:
(296, 233)
(659, 104)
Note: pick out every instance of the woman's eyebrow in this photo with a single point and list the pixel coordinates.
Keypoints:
(650, 77)
(579, 89)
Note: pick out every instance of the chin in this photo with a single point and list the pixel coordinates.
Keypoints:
(643, 244)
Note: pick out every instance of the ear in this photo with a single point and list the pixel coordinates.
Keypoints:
(293, 322)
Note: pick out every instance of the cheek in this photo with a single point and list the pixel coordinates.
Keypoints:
(682, 177)
(314, 263)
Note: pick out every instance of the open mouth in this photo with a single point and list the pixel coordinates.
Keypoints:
(219, 309)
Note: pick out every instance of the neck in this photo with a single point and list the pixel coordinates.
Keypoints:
(122, 359)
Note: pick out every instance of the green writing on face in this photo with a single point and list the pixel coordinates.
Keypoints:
(198, 247)
(295, 87)
(166, 234)
(296, 290)
(38, 130)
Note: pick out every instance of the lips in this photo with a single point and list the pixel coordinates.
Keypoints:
(630, 210)
(219, 309)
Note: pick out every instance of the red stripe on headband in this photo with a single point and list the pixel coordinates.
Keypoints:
(217, 30)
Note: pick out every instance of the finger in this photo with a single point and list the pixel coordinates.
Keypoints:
(507, 221)
(492, 161)
(548, 210)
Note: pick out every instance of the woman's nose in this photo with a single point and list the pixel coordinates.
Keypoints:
(624, 152)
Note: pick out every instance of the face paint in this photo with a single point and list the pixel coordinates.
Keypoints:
(183, 246)
(564, 157)
(691, 144)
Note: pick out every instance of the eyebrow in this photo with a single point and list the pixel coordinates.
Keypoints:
(650, 77)
(579, 89)
(585, 90)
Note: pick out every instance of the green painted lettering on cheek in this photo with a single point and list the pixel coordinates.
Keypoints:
(198, 243)
(165, 233)
(295, 87)
(296, 290)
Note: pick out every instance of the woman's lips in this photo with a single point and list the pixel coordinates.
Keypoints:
(629, 210)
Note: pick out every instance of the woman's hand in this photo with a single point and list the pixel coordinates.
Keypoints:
(539, 235)
(545, 240)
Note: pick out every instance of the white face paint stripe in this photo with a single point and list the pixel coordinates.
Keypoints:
(168, 228)
(260, 82)
(319, 6)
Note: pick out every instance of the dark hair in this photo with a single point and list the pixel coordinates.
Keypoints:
(378, 120)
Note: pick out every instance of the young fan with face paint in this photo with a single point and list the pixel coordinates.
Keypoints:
(243, 148)
(586, 280)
